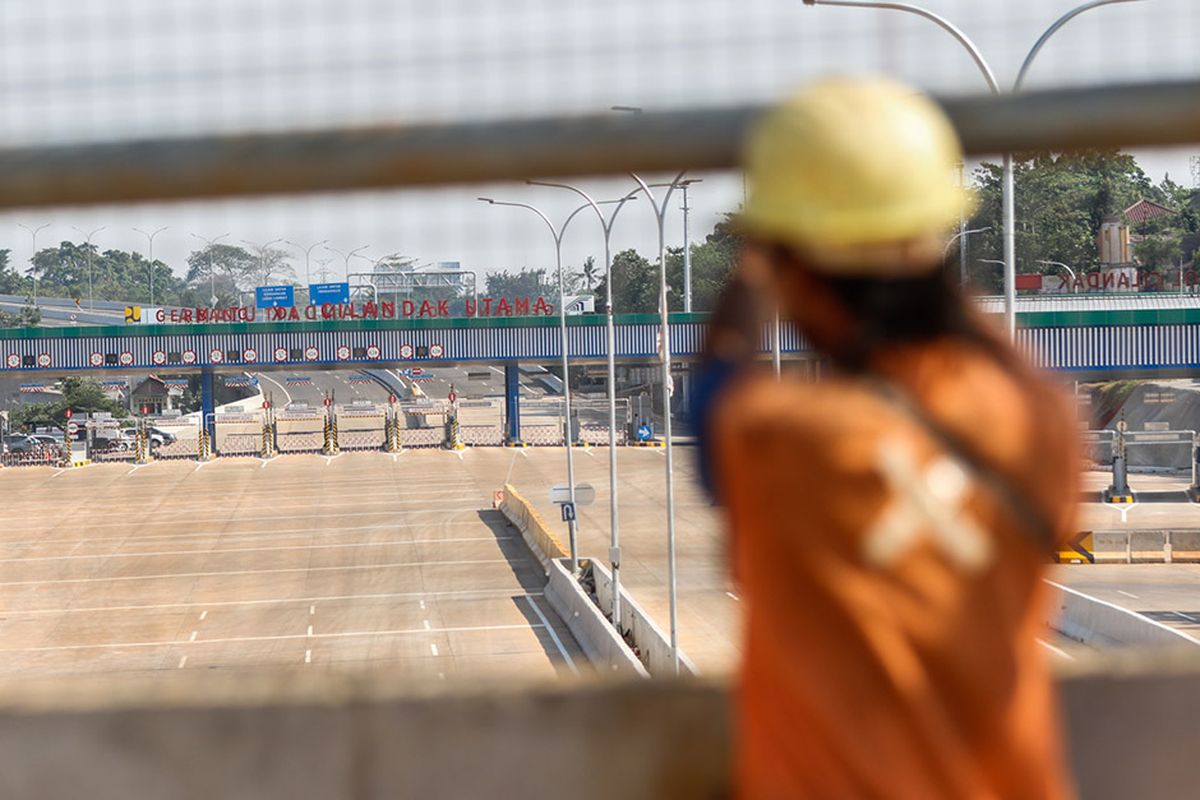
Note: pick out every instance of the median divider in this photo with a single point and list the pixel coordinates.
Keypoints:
(604, 647)
(1099, 623)
(533, 528)
(652, 644)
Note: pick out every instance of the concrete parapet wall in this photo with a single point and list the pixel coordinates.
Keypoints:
(652, 643)
(605, 649)
(533, 528)
(1101, 624)
(1131, 722)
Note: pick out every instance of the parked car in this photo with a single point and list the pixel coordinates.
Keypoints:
(159, 437)
(47, 440)
(20, 443)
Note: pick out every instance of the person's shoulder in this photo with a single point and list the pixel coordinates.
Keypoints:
(794, 408)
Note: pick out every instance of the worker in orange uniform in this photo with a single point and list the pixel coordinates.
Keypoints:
(890, 524)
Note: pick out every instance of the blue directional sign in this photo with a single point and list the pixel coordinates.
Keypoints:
(568, 512)
(645, 433)
(321, 293)
(275, 296)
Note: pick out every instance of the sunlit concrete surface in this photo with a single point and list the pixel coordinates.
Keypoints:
(304, 561)
(1167, 593)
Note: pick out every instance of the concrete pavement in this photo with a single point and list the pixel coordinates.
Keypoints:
(302, 561)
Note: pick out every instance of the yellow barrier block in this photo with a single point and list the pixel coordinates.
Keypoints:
(1079, 549)
(531, 523)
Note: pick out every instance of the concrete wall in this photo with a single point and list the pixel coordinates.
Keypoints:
(652, 642)
(533, 528)
(605, 649)
(1104, 625)
(1132, 724)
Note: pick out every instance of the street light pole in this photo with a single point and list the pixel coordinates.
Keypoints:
(212, 276)
(558, 233)
(150, 255)
(1008, 189)
(347, 256)
(33, 232)
(1071, 272)
(307, 256)
(660, 215)
(606, 225)
(88, 250)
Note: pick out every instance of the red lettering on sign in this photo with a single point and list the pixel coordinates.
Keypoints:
(522, 306)
(503, 309)
(542, 307)
(407, 308)
(487, 307)
(469, 307)
(426, 309)
(443, 309)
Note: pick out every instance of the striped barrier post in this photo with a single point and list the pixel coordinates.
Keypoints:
(202, 450)
(266, 439)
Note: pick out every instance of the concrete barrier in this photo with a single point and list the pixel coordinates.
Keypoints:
(599, 639)
(1130, 546)
(1131, 723)
(651, 643)
(533, 528)
(1102, 624)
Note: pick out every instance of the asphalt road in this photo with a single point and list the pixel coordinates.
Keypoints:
(1168, 593)
(303, 561)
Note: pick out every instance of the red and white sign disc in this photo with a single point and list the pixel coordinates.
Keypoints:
(281, 354)
(126, 358)
(13, 361)
(406, 351)
(343, 352)
(72, 428)
(328, 401)
(436, 351)
(250, 355)
(452, 397)
(158, 357)
(392, 399)
(216, 356)
(43, 359)
(96, 359)
(189, 356)
(372, 351)
(312, 353)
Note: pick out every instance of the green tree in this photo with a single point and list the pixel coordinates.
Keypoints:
(525, 283)
(224, 269)
(11, 281)
(635, 284)
(589, 272)
(114, 275)
(81, 395)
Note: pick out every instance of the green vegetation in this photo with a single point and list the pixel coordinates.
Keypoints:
(81, 395)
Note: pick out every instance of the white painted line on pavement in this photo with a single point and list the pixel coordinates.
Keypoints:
(194, 635)
(312, 610)
(433, 649)
(310, 633)
(1122, 609)
(282, 388)
(463, 594)
(203, 614)
(175, 575)
(182, 661)
(278, 638)
(308, 656)
(550, 629)
(428, 627)
(1188, 617)
(732, 596)
(274, 548)
(1127, 594)
(1056, 650)
(422, 604)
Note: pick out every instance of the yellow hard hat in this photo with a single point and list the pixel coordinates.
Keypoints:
(859, 174)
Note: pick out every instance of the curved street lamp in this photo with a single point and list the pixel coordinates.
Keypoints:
(150, 255)
(212, 275)
(1007, 186)
(307, 256)
(88, 239)
(33, 232)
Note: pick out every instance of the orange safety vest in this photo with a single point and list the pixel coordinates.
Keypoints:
(914, 678)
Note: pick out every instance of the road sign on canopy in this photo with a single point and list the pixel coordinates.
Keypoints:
(585, 494)
(321, 293)
(275, 296)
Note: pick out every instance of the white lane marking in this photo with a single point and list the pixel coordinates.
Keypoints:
(428, 627)
(280, 533)
(274, 548)
(732, 596)
(1123, 509)
(312, 610)
(550, 629)
(433, 649)
(308, 656)
(1123, 610)
(1127, 594)
(310, 633)
(278, 638)
(203, 614)
(194, 635)
(422, 604)
(441, 676)
(1188, 617)
(1056, 650)
(171, 575)
(57, 473)
(471, 594)
(182, 661)
(282, 388)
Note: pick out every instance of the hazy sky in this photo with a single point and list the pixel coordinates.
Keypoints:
(113, 69)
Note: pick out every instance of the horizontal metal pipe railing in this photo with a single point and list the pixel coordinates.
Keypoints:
(389, 156)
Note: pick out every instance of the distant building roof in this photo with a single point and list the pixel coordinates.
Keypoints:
(1144, 210)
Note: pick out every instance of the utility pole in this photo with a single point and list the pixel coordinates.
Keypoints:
(150, 255)
(33, 232)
